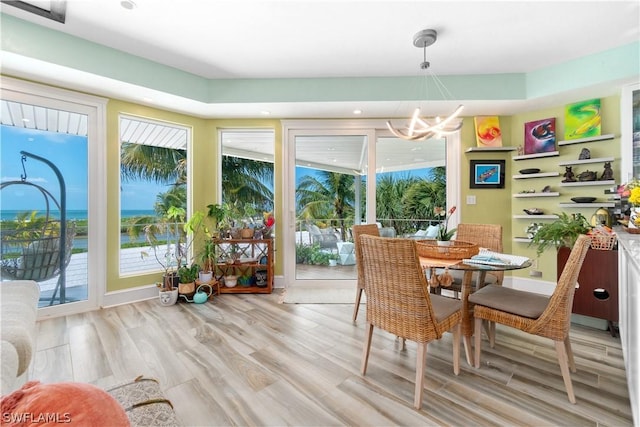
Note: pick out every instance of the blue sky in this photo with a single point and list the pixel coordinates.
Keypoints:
(69, 154)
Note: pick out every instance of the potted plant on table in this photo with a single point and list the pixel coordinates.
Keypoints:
(444, 235)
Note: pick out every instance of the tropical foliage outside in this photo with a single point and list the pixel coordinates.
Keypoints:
(326, 199)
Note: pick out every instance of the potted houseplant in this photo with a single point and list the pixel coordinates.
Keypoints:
(333, 260)
(203, 228)
(444, 234)
(562, 232)
(164, 235)
(187, 276)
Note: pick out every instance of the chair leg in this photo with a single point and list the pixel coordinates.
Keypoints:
(356, 307)
(564, 368)
(477, 341)
(456, 348)
(421, 362)
(367, 348)
(567, 347)
(492, 334)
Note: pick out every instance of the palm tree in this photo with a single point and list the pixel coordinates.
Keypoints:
(157, 164)
(247, 182)
(328, 195)
(390, 193)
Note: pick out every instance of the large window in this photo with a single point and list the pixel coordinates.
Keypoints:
(247, 177)
(153, 193)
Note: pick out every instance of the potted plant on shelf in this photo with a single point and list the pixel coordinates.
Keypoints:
(444, 234)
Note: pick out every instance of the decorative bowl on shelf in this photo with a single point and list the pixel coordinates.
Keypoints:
(528, 171)
(533, 211)
(584, 199)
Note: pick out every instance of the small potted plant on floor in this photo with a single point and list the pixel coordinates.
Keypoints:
(188, 276)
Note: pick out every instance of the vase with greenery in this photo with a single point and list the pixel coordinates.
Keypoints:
(444, 234)
(562, 232)
(165, 241)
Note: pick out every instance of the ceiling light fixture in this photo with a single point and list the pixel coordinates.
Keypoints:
(420, 128)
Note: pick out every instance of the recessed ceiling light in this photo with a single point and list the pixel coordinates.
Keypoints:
(145, 99)
(265, 113)
(357, 112)
(25, 120)
(128, 4)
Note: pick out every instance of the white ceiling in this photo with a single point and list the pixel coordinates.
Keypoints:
(308, 38)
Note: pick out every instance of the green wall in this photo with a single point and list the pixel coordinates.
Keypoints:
(204, 153)
(610, 111)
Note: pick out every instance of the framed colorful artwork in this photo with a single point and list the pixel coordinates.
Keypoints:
(486, 173)
(488, 132)
(630, 132)
(582, 119)
(540, 136)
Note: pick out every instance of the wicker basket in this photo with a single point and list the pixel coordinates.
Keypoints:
(632, 230)
(456, 250)
(603, 242)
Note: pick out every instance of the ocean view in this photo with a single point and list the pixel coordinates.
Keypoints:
(8, 215)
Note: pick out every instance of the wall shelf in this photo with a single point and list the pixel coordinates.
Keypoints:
(536, 156)
(522, 239)
(586, 183)
(582, 162)
(536, 175)
(525, 195)
(587, 205)
(535, 216)
(590, 139)
(488, 149)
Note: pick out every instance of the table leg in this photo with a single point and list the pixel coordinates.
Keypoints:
(467, 310)
(467, 315)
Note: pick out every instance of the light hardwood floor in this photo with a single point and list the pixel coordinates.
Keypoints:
(250, 360)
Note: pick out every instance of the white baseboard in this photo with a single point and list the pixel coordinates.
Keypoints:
(530, 285)
(141, 293)
(127, 296)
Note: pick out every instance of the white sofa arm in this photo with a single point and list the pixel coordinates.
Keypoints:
(18, 313)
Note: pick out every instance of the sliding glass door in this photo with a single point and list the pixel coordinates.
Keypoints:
(49, 154)
(341, 176)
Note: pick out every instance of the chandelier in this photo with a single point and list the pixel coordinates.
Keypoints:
(420, 128)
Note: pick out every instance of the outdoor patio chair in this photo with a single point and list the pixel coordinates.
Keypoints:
(326, 238)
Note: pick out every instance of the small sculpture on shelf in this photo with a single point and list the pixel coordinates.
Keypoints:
(568, 174)
(587, 176)
(585, 154)
(607, 174)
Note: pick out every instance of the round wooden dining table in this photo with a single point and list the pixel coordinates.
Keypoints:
(431, 264)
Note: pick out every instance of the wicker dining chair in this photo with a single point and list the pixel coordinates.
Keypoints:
(485, 236)
(358, 230)
(398, 301)
(536, 314)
